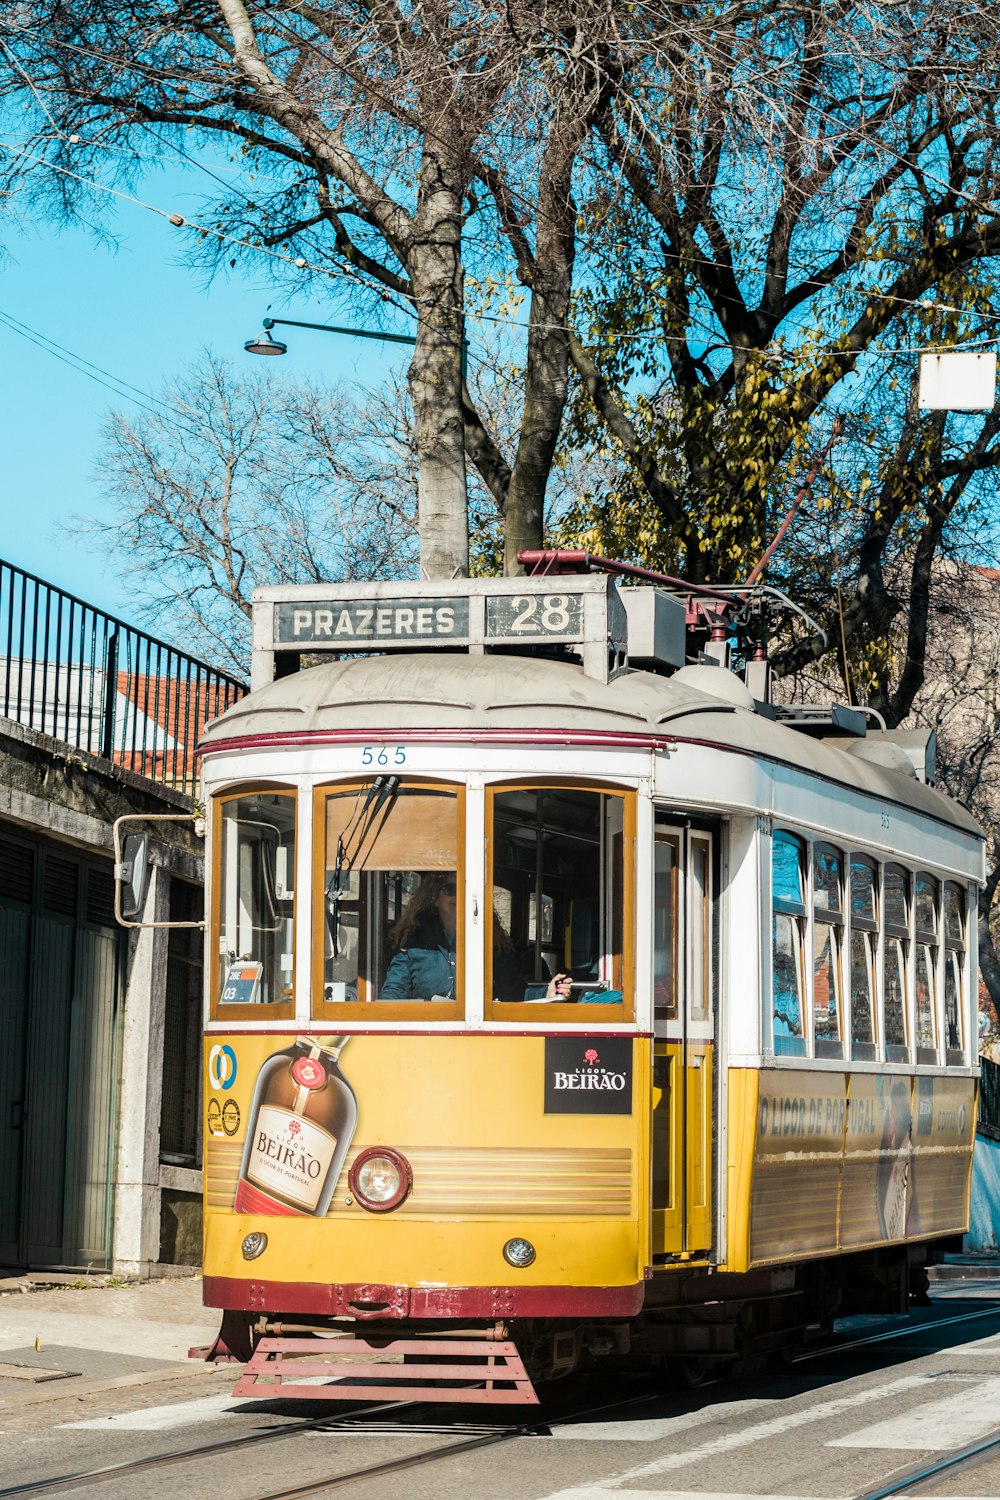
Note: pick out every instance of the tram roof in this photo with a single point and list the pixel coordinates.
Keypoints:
(444, 690)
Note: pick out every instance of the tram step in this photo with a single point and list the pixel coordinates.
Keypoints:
(485, 1370)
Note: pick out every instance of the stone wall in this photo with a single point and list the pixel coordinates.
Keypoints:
(53, 791)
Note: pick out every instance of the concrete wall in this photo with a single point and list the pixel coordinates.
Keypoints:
(63, 794)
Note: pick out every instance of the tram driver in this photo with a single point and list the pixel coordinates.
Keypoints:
(424, 942)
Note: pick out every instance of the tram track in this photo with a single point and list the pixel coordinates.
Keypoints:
(183, 1455)
(347, 1423)
(911, 1479)
(847, 1345)
(484, 1436)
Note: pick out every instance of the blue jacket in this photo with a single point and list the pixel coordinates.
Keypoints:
(425, 969)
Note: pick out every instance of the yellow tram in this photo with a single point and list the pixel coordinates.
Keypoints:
(565, 998)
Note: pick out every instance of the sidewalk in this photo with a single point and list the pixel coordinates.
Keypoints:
(970, 1265)
(60, 1335)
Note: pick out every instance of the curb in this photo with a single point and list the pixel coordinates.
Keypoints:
(67, 1392)
(966, 1271)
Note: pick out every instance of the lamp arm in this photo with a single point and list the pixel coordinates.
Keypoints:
(357, 333)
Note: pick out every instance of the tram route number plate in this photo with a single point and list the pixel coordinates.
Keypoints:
(352, 624)
(519, 616)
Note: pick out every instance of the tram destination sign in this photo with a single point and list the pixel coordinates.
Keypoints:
(584, 612)
(357, 624)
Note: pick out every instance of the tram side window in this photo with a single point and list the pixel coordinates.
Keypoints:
(955, 1007)
(256, 899)
(666, 921)
(557, 882)
(828, 930)
(700, 888)
(788, 898)
(927, 919)
(392, 894)
(895, 964)
(864, 951)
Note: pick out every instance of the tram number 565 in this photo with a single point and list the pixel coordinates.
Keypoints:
(383, 755)
(533, 614)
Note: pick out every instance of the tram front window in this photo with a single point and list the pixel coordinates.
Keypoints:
(256, 840)
(557, 882)
(392, 894)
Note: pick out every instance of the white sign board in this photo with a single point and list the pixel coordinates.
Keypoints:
(957, 382)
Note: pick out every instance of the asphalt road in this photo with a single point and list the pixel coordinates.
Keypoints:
(897, 1394)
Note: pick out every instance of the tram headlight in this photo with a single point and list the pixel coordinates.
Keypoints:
(380, 1179)
(255, 1244)
(519, 1253)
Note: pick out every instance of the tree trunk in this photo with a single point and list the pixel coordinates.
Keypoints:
(435, 377)
(546, 374)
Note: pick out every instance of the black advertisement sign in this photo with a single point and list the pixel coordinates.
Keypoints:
(588, 1075)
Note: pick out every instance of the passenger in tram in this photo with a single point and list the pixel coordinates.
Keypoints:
(423, 965)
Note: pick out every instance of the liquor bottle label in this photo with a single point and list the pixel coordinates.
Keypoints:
(290, 1156)
(308, 1073)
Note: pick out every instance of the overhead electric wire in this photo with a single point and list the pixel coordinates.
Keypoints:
(341, 269)
(120, 388)
(299, 41)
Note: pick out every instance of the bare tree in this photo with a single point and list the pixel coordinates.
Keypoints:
(719, 213)
(385, 144)
(236, 481)
(961, 703)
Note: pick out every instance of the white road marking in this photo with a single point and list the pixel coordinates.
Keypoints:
(181, 1413)
(160, 1418)
(655, 1429)
(729, 1442)
(599, 1492)
(934, 1425)
(989, 1345)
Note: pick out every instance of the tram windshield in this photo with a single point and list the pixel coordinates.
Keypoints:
(557, 888)
(256, 842)
(392, 893)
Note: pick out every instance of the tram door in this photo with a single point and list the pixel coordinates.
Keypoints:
(683, 1048)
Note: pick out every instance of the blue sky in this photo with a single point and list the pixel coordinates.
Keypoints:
(137, 312)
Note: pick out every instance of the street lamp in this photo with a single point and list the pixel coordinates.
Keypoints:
(265, 344)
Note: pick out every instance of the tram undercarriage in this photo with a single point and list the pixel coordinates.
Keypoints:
(698, 1323)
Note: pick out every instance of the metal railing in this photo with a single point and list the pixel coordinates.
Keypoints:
(84, 677)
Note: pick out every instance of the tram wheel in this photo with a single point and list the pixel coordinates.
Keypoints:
(690, 1372)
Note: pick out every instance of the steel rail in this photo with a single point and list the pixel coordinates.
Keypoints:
(181, 1455)
(444, 1450)
(325, 1423)
(892, 1333)
(922, 1473)
(481, 1440)
(395, 1465)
